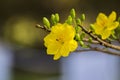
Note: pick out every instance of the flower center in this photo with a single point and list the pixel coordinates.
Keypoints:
(105, 27)
(60, 40)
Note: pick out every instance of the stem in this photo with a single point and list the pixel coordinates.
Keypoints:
(93, 41)
(42, 27)
(100, 50)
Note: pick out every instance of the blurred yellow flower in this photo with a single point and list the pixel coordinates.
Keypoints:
(60, 41)
(105, 25)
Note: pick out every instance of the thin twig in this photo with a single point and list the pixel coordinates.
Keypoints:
(93, 41)
(84, 50)
(100, 50)
(100, 40)
(105, 51)
(42, 27)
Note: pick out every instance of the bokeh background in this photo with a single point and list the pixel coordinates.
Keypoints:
(22, 53)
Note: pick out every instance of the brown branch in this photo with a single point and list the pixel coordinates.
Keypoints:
(100, 50)
(105, 51)
(100, 40)
(96, 40)
(84, 50)
(93, 41)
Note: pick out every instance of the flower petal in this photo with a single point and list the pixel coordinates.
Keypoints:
(73, 45)
(97, 28)
(112, 16)
(113, 26)
(65, 51)
(105, 34)
(53, 49)
(102, 19)
(69, 47)
(57, 56)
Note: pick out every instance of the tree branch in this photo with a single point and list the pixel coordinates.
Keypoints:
(93, 41)
(96, 40)
(100, 50)
(100, 40)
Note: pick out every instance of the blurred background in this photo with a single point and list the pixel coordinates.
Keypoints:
(23, 55)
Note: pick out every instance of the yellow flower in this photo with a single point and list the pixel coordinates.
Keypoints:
(60, 41)
(105, 25)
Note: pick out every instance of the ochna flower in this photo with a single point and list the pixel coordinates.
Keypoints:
(105, 25)
(60, 41)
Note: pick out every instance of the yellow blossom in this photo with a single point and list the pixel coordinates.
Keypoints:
(60, 41)
(105, 25)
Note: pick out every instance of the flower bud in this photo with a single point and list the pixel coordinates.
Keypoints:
(77, 37)
(81, 43)
(46, 22)
(90, 40)
(57, 17)
(77, 29)
(82, 17)
(69, 20)
(72, 13)
(82, 36)
(92, 27)
(53, 19)
(78, 21)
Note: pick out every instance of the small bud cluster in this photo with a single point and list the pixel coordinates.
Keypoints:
(54, 20)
